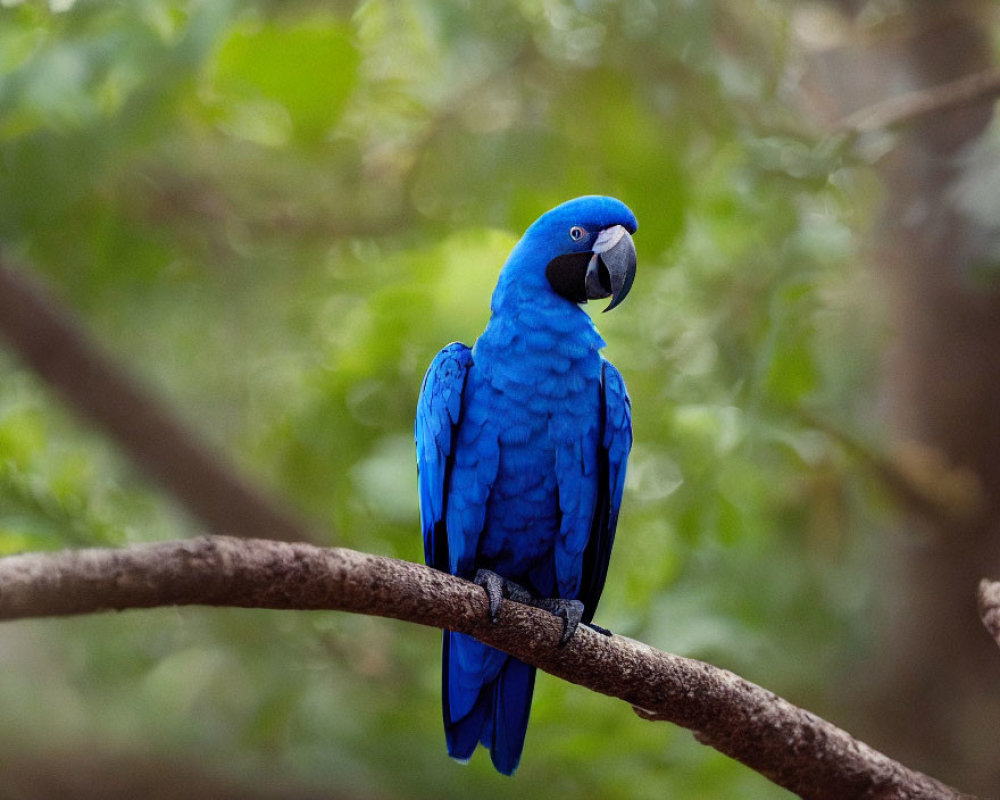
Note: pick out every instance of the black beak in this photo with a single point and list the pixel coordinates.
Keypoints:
(606, 271)
(614, 264)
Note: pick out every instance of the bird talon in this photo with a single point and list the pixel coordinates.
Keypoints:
(572, 614)
(569, 611)
(493, 585)
(499, 588)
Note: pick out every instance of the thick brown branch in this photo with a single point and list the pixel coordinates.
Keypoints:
(790, 746)
(51, 342)
(989, 607)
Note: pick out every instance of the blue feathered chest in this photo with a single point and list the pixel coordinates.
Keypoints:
(535, 386)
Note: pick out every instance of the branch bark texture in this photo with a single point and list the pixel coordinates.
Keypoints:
(49, 340)
(788, 745)
(989, 607)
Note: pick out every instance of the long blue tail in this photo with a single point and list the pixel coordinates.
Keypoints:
(487, 697)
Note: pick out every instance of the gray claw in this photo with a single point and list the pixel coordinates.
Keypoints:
(499, 588)
(570, 611)
(493, 584)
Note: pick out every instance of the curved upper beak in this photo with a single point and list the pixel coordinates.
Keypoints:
(607, 270)
(611, 270)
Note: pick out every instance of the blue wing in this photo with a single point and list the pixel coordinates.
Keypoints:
(439, 410)
(616, 442)
(590, 461)
(486, 694)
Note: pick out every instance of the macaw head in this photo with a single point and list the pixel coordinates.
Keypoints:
(586, 247)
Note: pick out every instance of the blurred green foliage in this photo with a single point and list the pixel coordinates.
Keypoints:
(276, 213)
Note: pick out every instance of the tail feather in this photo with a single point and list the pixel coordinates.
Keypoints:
(462, 727)
(511, 706)
(488, 706)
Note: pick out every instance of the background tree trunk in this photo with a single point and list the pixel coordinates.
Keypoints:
(931, 697)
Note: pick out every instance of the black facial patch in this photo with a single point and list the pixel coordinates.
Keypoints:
(567, 275)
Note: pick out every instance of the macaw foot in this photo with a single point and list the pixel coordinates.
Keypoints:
(499, 588)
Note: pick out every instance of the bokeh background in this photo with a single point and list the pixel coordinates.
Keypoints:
(275, 213)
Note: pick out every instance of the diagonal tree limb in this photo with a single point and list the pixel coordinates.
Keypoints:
(786, 744)
(50, 341)
(919, 103)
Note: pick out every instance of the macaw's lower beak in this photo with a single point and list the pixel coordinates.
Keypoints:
(607, 270)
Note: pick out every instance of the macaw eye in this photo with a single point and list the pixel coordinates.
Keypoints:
(576, 233)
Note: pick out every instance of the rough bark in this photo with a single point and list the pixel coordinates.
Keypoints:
(788, 745)
(989, 607)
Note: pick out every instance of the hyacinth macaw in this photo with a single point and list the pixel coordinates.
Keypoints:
(521, 448)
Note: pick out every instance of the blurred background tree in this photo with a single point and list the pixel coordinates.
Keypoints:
(276, 213)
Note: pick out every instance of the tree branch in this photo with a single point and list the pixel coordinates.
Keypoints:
(920, 103)
(51, 342)
(786, 744)
(989, 607)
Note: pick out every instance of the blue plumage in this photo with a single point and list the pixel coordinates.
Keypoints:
(521, 449)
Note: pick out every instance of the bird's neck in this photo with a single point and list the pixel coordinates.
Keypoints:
(534, 322)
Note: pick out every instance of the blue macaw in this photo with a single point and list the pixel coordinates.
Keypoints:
(521, 449)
